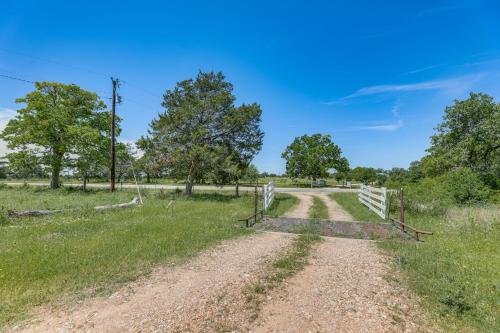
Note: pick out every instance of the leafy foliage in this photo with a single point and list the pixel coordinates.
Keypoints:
(312, 157)
(469, 136)
(202, 134)
(58, 121)
(465, 187)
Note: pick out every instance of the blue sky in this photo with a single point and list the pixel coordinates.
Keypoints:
(376, 75)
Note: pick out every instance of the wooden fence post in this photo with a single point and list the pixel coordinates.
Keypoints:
(255, 201)
(401, 208)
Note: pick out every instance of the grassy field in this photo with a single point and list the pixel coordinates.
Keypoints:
(65, 257)
(350, 202)
(456, 271)
(36, 197)
(318, 209)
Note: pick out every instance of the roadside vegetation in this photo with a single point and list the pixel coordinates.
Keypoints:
(318, 209)
(68, 256)
(350, 202)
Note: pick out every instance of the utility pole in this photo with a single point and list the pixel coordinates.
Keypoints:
(115, 83)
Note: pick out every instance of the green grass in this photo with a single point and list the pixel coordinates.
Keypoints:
(456, 271)
(318, 209)
(38, 197)
(281, 204)
(350, 202)
(73, 255)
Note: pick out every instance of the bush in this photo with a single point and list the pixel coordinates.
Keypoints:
(465, 187)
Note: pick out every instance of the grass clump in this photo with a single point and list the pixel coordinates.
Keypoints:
(83, 253)
(350, 202)
(318, 209)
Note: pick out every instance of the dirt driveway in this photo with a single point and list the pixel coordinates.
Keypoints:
(344, 289)
(301, 210)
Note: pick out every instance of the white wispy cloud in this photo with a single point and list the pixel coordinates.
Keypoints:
(387, 127)
(395, 110)
(5, 116)
(462, 81)
(443, 9)
(422, 69)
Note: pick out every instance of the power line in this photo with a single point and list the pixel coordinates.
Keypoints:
(16, 78)
(53, 62)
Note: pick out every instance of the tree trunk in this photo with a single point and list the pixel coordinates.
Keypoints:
(189, 185)
(54, 179)
(148, 178)
(85, 182)
(237, 188)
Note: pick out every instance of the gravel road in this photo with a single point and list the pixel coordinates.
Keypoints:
(342, 290)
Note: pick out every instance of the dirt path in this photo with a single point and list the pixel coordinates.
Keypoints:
(199, 296)
(335, 211)
(342, 290)
(301, 210)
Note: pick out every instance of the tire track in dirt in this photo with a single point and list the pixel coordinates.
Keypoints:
(342, 290)
(202, 295)
(301, 210)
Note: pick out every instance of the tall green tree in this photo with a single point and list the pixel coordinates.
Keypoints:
(364, 174)
(312, 157)
(469, 136)
(201, 129)
(52, 124)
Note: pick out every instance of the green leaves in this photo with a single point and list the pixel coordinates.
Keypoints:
(469, 136)
(312, 156)
(58, 122)
(202, 134)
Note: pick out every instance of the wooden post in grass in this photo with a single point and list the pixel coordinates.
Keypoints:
(401, 209)
(255, 201)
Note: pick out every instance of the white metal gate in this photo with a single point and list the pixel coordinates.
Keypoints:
(268, 195)
(375, 199)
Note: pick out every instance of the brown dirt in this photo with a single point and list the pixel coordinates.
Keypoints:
(342, 290)
(203, 295)
(301, 210)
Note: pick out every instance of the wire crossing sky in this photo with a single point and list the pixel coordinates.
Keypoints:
(376, 75)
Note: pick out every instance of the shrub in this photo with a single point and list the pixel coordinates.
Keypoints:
(465, 187)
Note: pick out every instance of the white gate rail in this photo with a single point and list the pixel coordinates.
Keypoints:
(375, 199)
(268, 195)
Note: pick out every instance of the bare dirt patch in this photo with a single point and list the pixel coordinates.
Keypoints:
(301, 210)
(342, 290)
(203, 295)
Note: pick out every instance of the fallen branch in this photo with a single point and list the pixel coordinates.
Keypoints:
(135, 201)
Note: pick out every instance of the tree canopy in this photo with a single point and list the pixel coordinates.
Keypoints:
(58, 123)
(469, 136)
(202, 134)
(312, 157)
